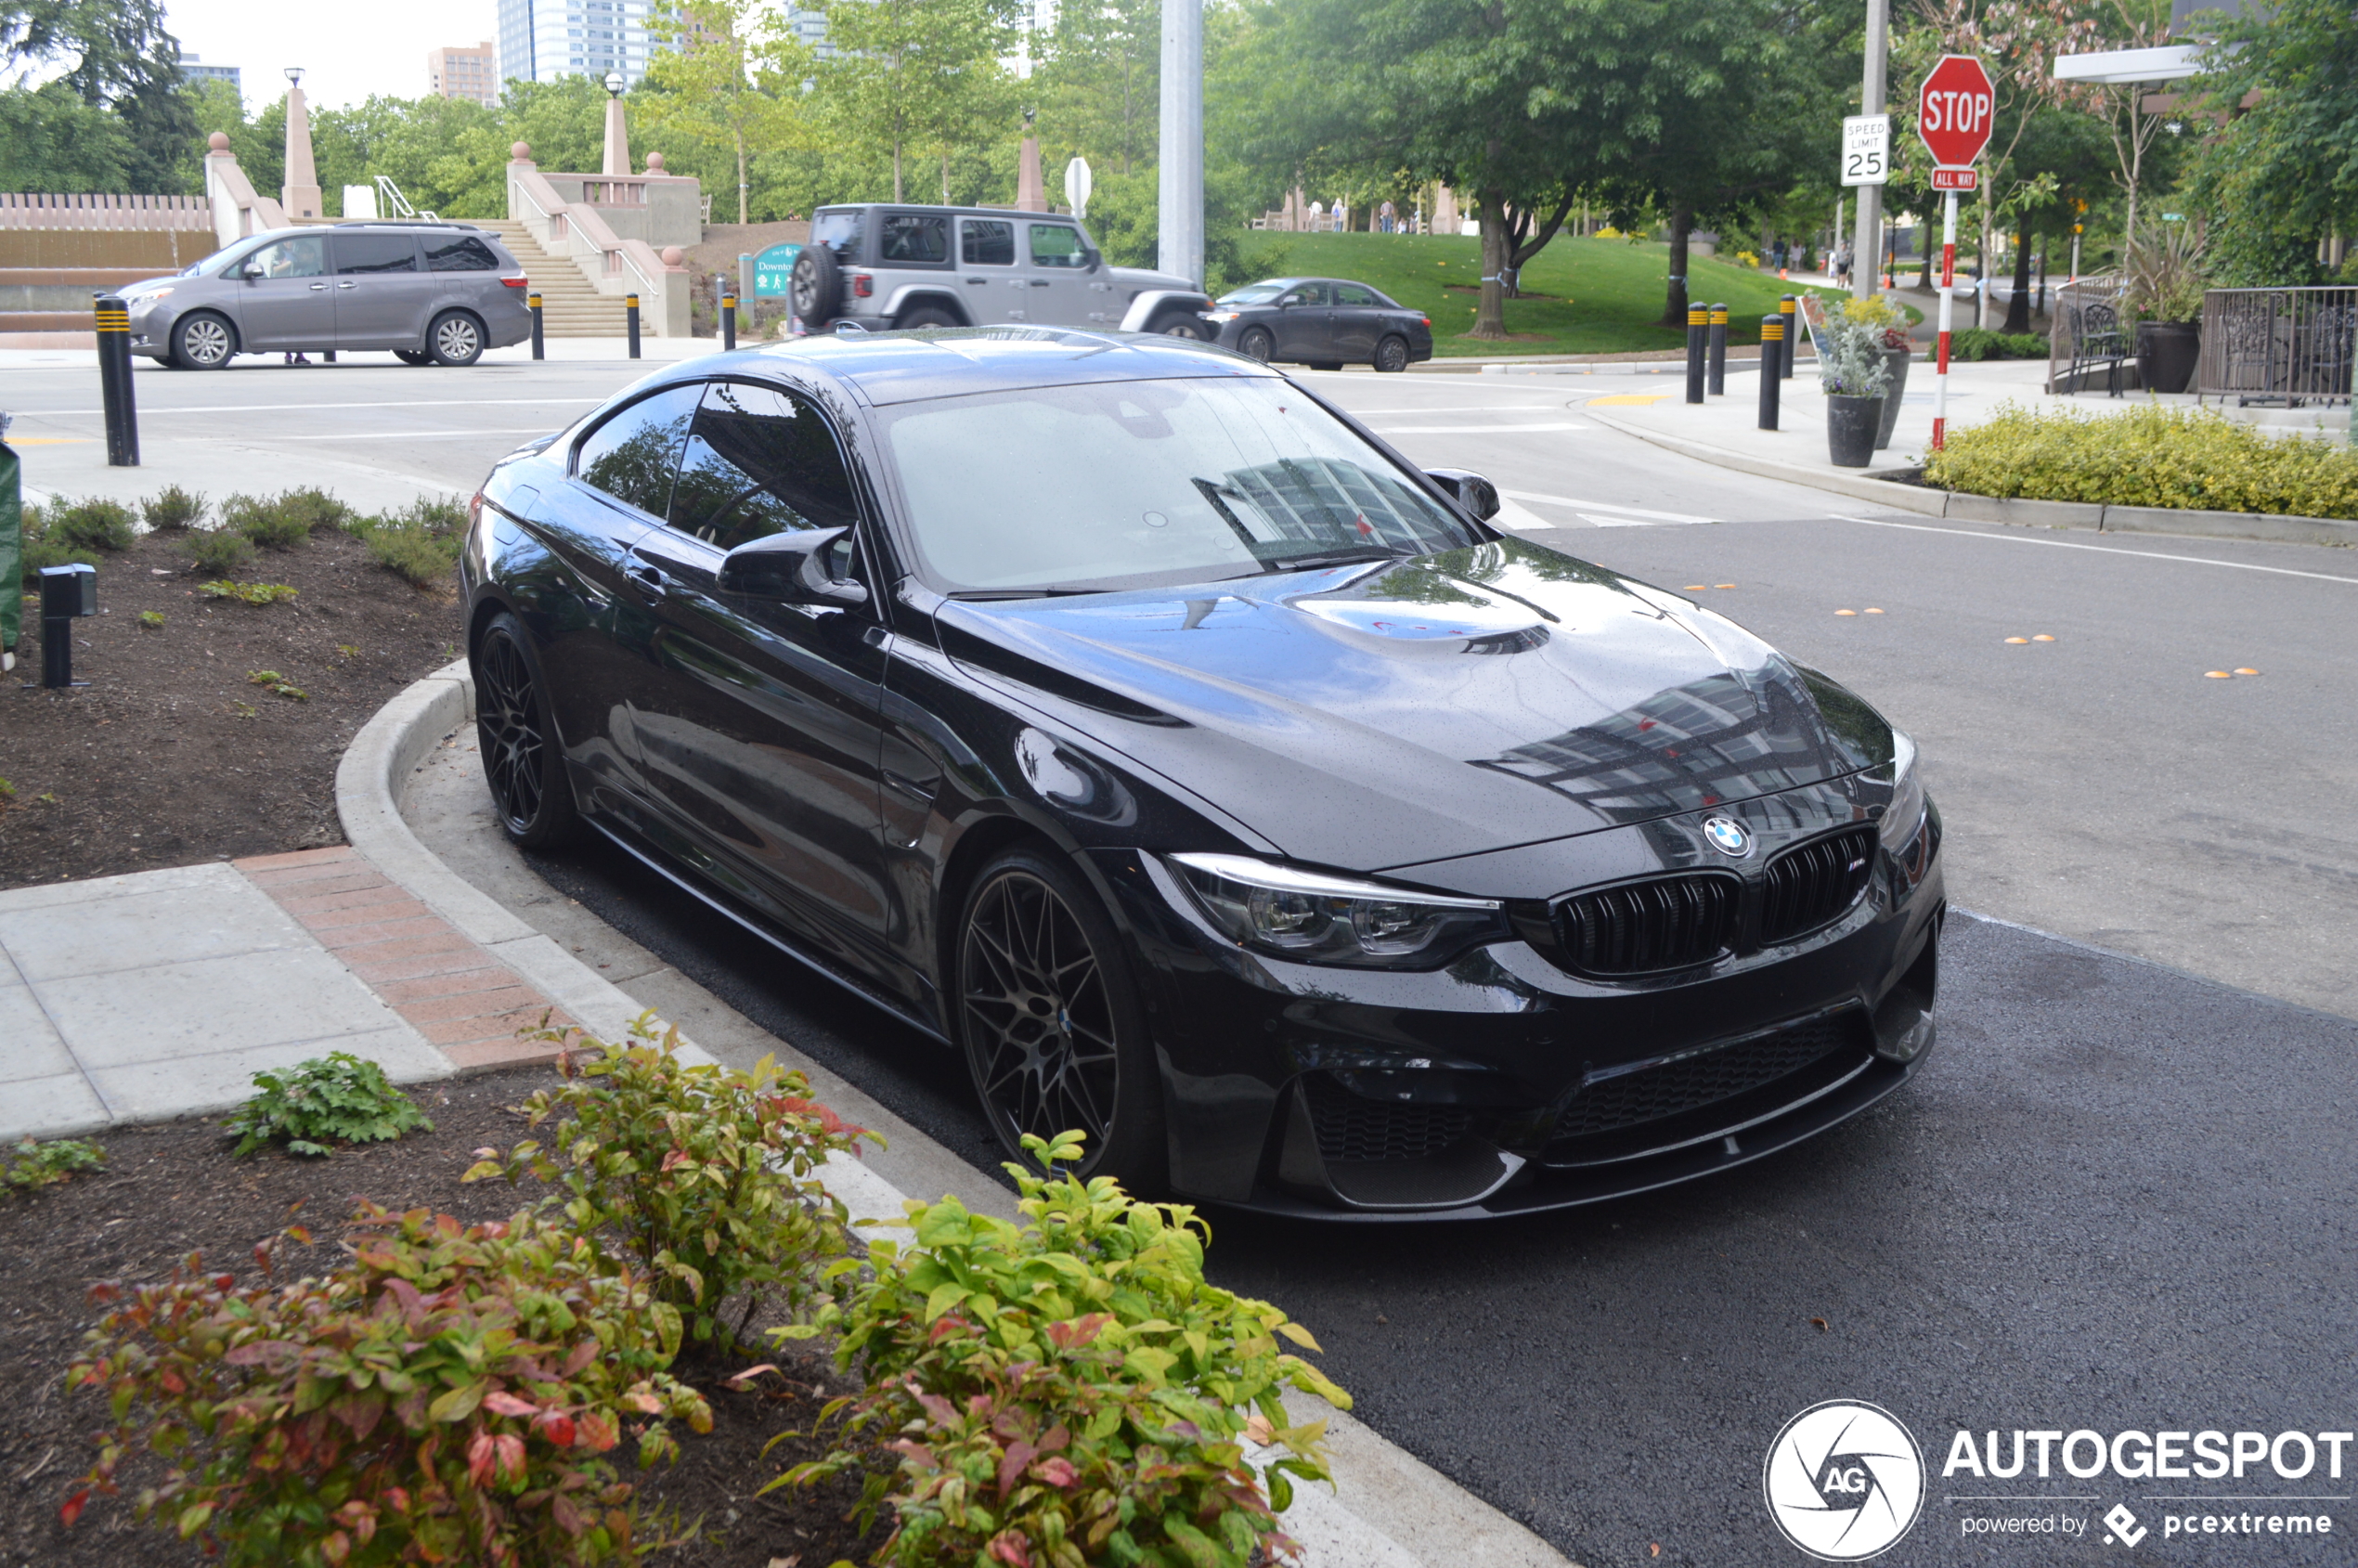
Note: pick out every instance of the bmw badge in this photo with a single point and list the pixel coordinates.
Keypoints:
(1727, 836)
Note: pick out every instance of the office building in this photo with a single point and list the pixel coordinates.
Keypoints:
(192, 70)
(542, 40)
(462, 72)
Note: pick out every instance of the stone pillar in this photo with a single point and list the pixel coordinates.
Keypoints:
(1031, 184)
(300, 195)
(617, 140)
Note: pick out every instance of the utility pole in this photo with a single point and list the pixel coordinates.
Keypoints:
(1179, 209)
(1866, 281)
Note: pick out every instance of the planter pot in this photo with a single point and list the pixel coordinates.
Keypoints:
(2166, 353)
(1896, 360)
(1851, 424)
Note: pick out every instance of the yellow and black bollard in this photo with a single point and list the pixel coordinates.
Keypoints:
(1698, 320)
(729, 319)
(1716, 370)
(539, 343)
(114, 381)
(631, 315)
(1787, 307)
(1773, 343)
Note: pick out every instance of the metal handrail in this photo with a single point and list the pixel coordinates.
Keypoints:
(2292, 346)
(400, 203)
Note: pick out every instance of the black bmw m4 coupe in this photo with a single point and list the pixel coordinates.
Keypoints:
(1214, 782)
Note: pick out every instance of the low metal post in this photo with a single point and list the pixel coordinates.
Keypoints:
(1697, 330)
(1772, 341)
(728, 320)
(630, 315)
(540, 342)
(114, 381)
(1788, 307)
(68, 593)
(1715, 373)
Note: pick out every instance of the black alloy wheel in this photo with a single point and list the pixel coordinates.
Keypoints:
(522, 761)
(1257, 344)
(203, 341)
(455, 339)
(1054, 1035)
(926, 316)
(1392, 354)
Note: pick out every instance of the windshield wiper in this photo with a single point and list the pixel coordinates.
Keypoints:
(984, 594)
(1334, 558)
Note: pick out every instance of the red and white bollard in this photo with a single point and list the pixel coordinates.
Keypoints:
(1948, 284)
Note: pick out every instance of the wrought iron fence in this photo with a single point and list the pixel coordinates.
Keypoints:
(2086, 337)
(2277, 346)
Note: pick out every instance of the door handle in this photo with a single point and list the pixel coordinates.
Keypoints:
(1041, 283)
(646, 579)
(977, 279)
(318, 287)
(347, 285)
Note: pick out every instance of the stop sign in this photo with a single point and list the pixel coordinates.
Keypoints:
(1953, 110)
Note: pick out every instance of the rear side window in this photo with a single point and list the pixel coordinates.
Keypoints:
(634, 454)
(376, 253)
(986, 242)
(1053, 244)
(921, 238)
(839, 228)
(758, 461)
(460, 253)
(1352, 294)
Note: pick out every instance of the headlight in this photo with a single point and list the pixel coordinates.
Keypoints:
(1313, 918)
(1220, 315)
(148, 296)
(1906, 812)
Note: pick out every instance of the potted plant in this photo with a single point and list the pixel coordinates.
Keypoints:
(2166, 284)
(1856, 378)
(1898, 349)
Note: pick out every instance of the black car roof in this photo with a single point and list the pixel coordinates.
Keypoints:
(889, 368)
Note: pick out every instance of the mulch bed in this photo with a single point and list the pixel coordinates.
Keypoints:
(172, 1189)
(170, 755)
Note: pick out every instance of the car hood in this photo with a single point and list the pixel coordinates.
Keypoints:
(1137, 280)
(1376, 715)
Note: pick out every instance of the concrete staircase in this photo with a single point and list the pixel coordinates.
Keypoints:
(570, 305)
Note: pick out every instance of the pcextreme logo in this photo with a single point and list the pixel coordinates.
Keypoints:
(1843, 1480)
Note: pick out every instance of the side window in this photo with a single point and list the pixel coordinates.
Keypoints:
(1353, 293)
(304, 256)
(760, 462)
(1055, 244)
(922, 238)
(633, 455)
(376, 253)
(986, 242)
(462, 254)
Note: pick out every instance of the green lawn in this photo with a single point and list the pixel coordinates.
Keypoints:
(1607, 294)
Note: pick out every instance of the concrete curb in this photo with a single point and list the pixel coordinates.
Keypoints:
(2272, 527)
(1401, 1512)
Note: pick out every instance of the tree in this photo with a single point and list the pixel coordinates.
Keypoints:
(124, 63)
(2285, 174)
(51, 141)
(2123, 24)
(911, 72)
(729, 83)
(1098, 83)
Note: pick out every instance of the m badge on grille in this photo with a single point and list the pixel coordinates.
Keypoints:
(1728, 836)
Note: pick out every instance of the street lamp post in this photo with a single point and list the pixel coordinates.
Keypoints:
(1180, 206)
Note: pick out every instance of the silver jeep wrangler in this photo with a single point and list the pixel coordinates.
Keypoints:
(902, 267)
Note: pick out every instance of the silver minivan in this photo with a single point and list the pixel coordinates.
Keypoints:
(433, 293)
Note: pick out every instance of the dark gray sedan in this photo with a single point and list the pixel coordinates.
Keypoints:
(1325, 323)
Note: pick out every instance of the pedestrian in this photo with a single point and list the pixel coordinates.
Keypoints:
(1842, 264)
(1390, 216)
(1779, 250)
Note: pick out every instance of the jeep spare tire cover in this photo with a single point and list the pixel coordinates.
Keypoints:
(815, 287)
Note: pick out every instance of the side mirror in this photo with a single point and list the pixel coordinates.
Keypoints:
(1469, 489)
(791, 567)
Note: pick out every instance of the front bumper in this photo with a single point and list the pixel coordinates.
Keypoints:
(1503, 1083)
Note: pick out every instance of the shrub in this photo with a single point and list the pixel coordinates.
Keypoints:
(446, 1395)
(314, 509)
(217, 553)
(266, 522)
(46, 1164)
(338, 1097)
(705, 1176)
(1988, 342)
(90, 524)
(150, 620)
(247, 593)
(172, 510)
(1069, 1390)
(420, 542)
(2149, 455)
(276, 685)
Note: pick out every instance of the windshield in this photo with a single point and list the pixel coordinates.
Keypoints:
(839, 228)
(1253, 293)
(1147, 483)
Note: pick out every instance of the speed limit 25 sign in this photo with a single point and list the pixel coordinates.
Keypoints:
(1866, 149)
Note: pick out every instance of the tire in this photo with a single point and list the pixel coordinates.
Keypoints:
(1053, 1036)
(1392, 354)
(524, 763)
(455, 338)
(201, 340)
(925, 316)
(1257, 344)
(815, 287)
(1179, 324)
(413, 355)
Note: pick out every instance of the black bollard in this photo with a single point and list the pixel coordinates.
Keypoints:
(1715, 373)
(68, 593)
(539, 342)
(1787, 306)
(1772, 341)
(630, 314)
(1697, 329)
(728, 320)
(114, 381)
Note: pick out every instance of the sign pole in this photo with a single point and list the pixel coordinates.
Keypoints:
(1948, 303)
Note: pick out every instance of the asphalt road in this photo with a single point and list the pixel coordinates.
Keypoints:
(2118, 1198)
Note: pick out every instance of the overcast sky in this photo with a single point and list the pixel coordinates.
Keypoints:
(348, 50)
